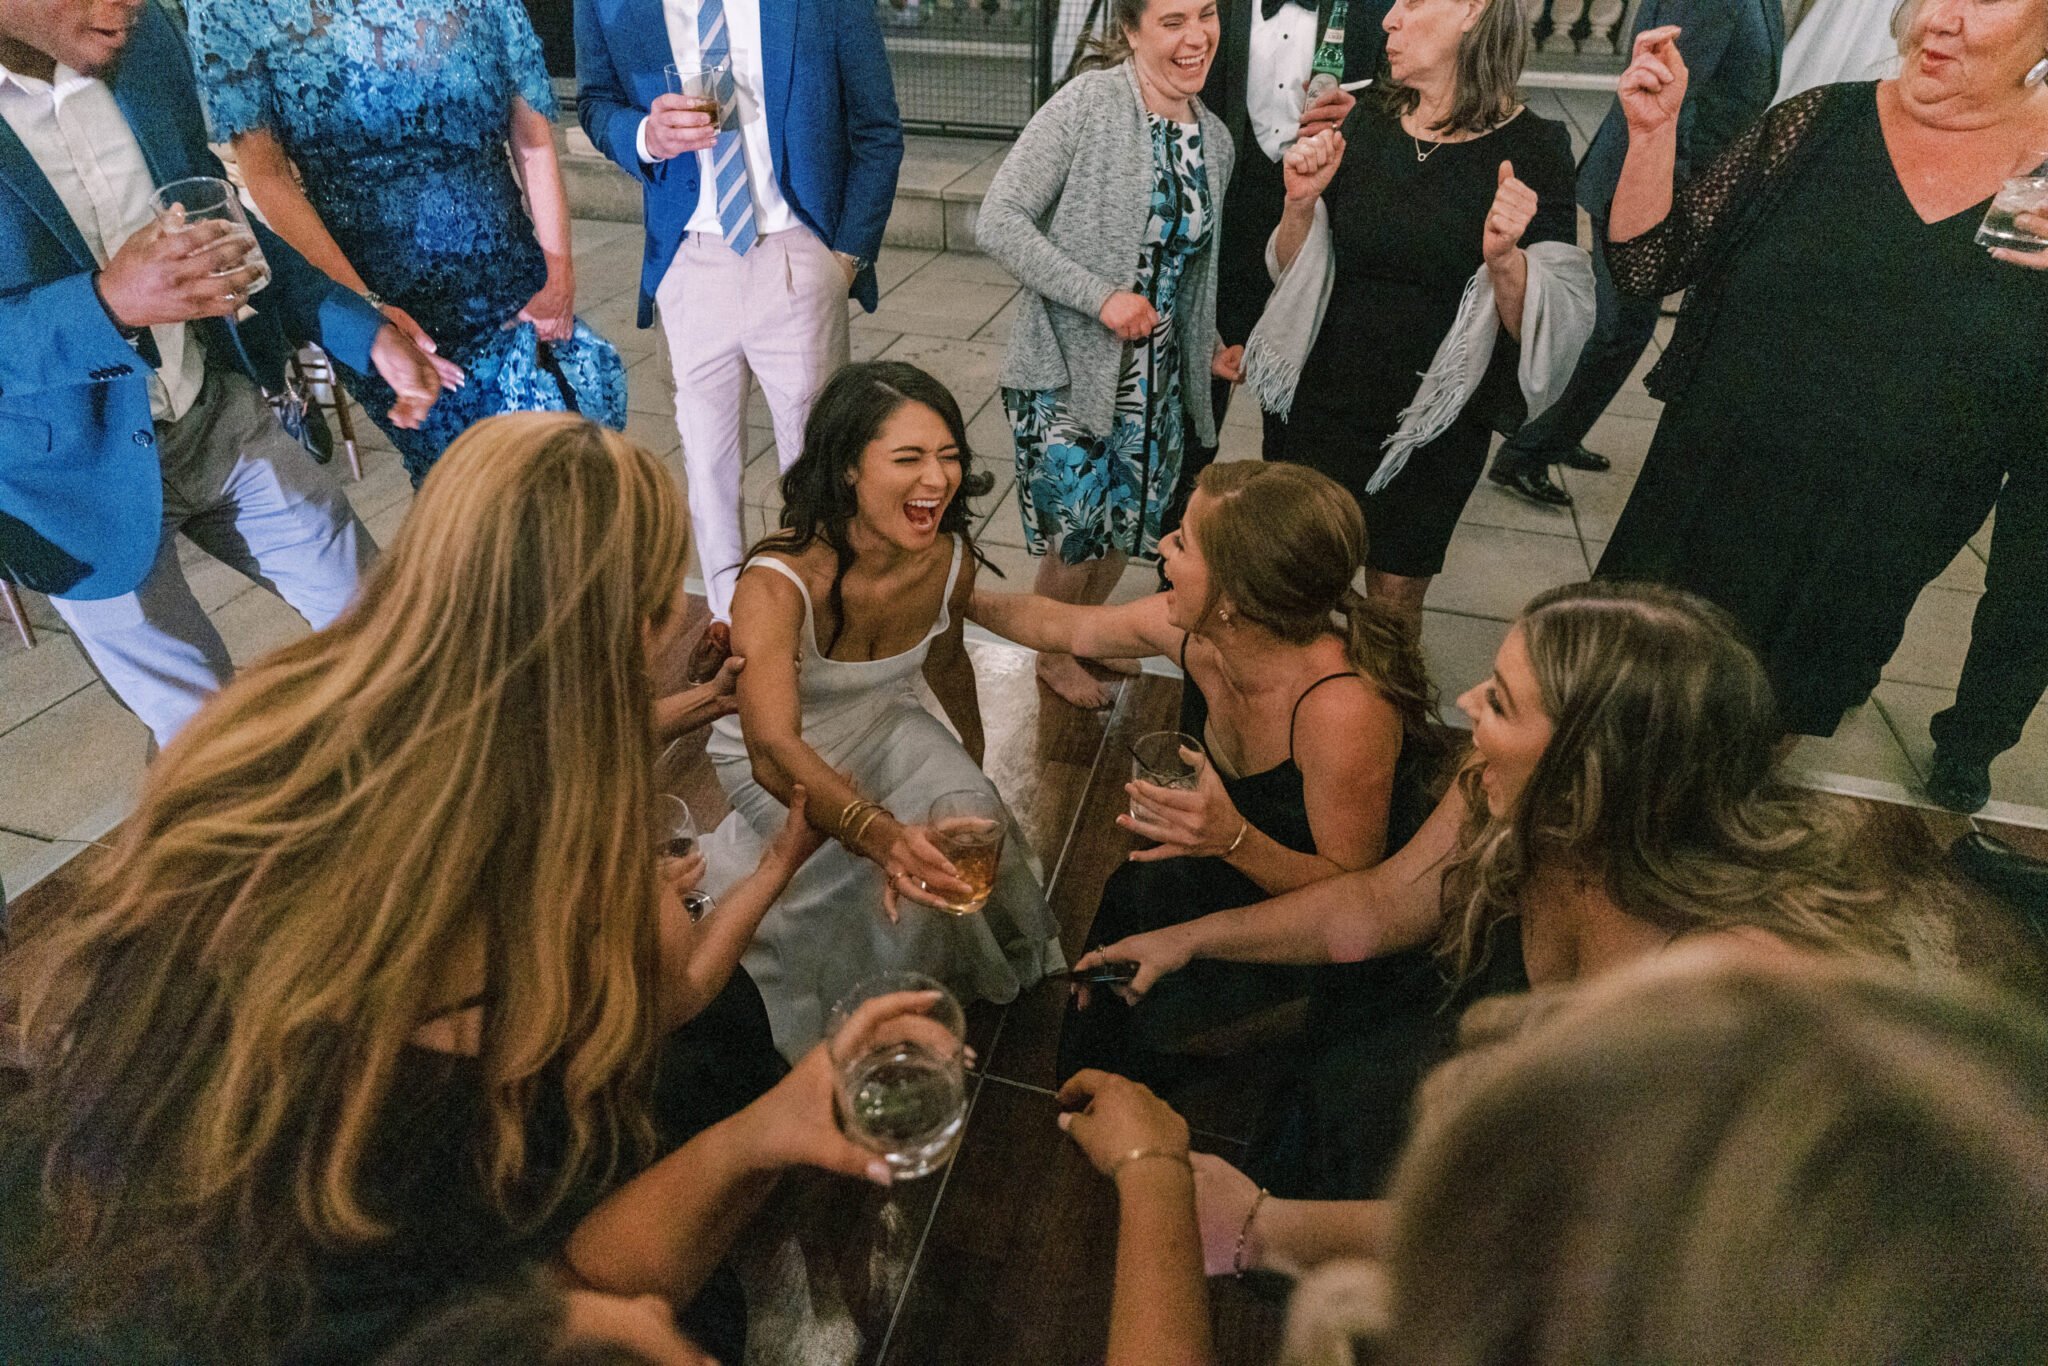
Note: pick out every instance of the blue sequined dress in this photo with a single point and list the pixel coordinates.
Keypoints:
(397, 114)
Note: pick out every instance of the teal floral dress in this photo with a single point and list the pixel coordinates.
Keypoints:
(1099, 493)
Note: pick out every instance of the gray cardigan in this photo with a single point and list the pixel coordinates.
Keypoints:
(1066, 214)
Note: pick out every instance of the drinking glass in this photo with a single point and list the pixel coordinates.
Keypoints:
(1157, 759)
(968, 828)
(204, 199)
(2026, 191)
(902, 1087)
(700, 87)
(675, 836)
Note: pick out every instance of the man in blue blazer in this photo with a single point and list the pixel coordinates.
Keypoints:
(1739, 44)
(130, 410)
(761, 216)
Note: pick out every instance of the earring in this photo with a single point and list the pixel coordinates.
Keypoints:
(2038, 73)
(1223, 615)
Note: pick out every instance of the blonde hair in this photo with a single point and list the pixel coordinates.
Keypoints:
(458, 766)
(1283, 543)
(1707, 1160)
(1660, 783)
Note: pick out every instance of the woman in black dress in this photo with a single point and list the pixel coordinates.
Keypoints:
(1313, 706)
(1442, 171)
(1852, 377)
(381, 996)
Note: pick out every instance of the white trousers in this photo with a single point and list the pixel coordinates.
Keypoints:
(777, 315)
(247, 494)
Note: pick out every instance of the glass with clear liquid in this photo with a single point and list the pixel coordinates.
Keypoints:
(205, 199)
(902, 1084)
(2025, 192)
(1157, 759)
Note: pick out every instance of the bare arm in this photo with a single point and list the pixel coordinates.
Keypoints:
(1393, 905)
(1159, 1310)
(698, 958)
(951, 673)
(273, 184)
(1651, 92)
(552, 311)
(1129, 630)
(767, 617)
(1243, 1230)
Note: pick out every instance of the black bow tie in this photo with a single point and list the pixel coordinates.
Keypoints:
(1273, 7)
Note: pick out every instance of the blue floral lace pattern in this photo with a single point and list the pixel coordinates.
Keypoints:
(1104, 493)
(396, 114)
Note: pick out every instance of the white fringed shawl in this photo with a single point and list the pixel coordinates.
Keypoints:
(1557, 317)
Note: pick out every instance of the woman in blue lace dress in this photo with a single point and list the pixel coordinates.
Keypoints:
(373, 135)
(1105, 211)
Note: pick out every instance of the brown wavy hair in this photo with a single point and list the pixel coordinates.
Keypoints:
(1284, 544)
(458, 770)
(1660, 782)
(1489, 68)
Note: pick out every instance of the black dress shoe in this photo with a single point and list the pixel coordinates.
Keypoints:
(1957, 784)
(1535, 485)
(1579, 458)
(1999, 868)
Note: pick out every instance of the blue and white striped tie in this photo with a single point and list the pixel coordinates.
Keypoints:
(728, 153)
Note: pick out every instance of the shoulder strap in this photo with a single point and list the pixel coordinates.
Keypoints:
(1326, 678)
(770, 562)
(945, 617)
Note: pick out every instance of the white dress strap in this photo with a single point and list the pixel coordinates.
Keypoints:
(945, 617)
(770, 562)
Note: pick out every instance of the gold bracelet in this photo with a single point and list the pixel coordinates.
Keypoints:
(1244, 1234)
(1140, 1154)
(867, 819)
(849, 811)
(1242, 831)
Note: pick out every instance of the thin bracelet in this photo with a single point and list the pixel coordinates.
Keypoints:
(849, 811)
(1140, 1154)
(1242, 831)
(1244, 1234)
(867, 819)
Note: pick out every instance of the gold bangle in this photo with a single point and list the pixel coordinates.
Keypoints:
(1242, 831)
(1140, 1154)
(1244, 1234)
(867, 819)
(849, 811)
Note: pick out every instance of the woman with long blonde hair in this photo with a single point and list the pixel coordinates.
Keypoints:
(368, 1002)
(1623, 793)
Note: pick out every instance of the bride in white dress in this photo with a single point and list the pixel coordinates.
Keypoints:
(1840, 40)
(837, 616)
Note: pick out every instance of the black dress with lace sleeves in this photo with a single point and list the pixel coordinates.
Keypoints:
(1846, 389)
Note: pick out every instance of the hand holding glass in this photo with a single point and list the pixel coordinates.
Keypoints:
(902, 1086)
(700, 88)
(207, 199)
(968, 828)
(1157, 759)
(675, 836)
(2026, 191)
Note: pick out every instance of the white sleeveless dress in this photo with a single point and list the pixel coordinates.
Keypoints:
(828, 931)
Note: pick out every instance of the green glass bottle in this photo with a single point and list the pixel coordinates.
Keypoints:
(1328, 67)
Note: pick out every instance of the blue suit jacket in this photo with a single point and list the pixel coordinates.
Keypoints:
(833, 131)
(81, 485)
(1732, 51)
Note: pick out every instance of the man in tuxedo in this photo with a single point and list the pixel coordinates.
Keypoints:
(1258, 86)
(130, 410)
(1732, 49)
(757, 228)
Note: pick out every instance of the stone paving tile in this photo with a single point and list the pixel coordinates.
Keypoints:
(2019, 776)
(1937, 636)
(1863, 746)
(33, 680)
(968, 368)
(936, 306)
(1490, 572)
(69, 763)
(1460, 651)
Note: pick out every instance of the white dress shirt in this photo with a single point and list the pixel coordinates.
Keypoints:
(743, 29)
(1282, 53)
(81, 141)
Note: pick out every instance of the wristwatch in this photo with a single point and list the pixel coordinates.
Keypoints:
(860, 263)
(376, 299)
